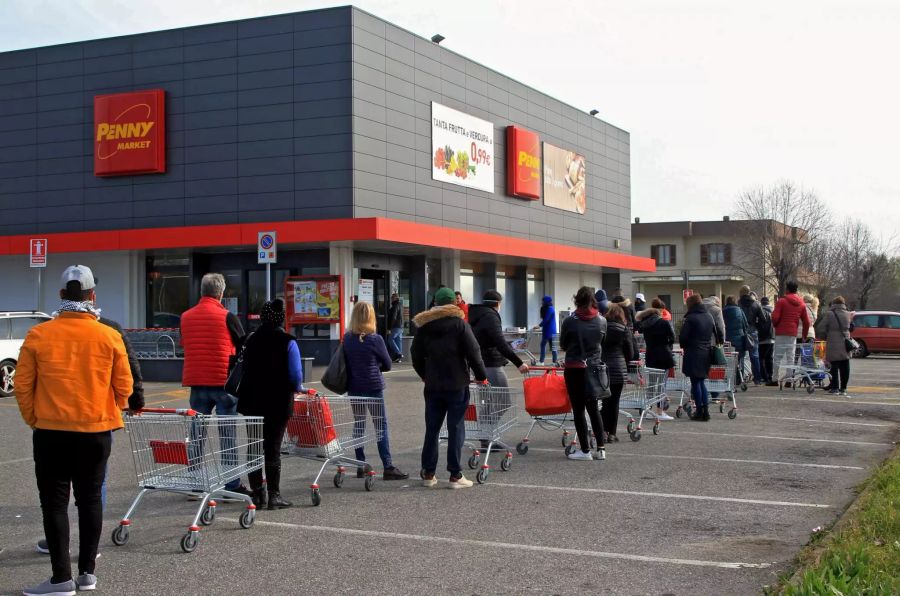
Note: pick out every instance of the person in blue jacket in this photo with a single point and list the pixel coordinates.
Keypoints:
(548, 329)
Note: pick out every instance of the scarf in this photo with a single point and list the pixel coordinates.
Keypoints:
(586, 313)
(76, 306)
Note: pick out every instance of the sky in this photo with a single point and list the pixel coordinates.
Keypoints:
(718, 96)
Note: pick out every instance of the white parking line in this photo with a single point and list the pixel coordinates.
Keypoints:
(849, 401)
(663, 495)
(16, 461)
(513, 546)
(780, 438)
(744, 415)
(721, 459)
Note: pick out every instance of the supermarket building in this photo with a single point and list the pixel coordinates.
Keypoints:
(373, 154)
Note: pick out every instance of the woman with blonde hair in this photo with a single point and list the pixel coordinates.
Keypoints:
(812, 311)
(367, 358)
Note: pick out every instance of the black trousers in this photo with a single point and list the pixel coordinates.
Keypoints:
(610, 412)
(575, 387)
(767, 361)
(840, 374)
(66, 461)
(273, 434)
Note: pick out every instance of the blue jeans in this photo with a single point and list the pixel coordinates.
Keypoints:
(545, 341)
(204, 400)
(699, 391)
(397, 341)
(376, 409)
(449, 404)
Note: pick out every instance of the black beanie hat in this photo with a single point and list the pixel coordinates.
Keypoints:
(491, 297)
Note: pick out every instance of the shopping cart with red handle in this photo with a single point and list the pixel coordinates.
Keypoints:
(183, 451)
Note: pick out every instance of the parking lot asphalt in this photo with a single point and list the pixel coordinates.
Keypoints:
(703, 508)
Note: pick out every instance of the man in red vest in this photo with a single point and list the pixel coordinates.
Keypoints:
(211, 336)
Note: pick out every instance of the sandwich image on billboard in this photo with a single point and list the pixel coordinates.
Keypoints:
(462, 149)
(564, 179)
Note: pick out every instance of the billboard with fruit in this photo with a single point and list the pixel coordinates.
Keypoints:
(462, 149)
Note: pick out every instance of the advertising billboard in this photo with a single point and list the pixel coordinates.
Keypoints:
(564, 180)
(462, 149)
(313, 299)
(523, 163)
(130, 133)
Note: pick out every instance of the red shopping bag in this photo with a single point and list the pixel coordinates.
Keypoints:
(311, 424)
(471, 413)
(546, 395)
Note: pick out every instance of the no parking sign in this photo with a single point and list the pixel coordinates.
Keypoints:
(266, 248)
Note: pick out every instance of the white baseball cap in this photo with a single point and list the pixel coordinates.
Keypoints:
(80, 273)
(639, 296)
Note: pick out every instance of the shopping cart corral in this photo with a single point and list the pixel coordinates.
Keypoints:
(645, 389)
(155, 343)
(181, 451)
(490, 414)
(325, 428)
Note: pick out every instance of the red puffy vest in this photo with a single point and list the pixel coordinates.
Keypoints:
(207, 344)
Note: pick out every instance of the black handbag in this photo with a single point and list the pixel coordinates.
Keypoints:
(233, 382)
(596, 373)
(335, 377)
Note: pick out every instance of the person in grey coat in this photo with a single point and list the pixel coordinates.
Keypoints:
(714, 308)
(834, 326)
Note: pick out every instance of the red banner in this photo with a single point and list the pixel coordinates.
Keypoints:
(130, 133)
(314, 299)
(523, 163)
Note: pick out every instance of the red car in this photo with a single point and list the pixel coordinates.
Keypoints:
(876, 331)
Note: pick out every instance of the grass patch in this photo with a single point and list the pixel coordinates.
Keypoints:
(861, 555)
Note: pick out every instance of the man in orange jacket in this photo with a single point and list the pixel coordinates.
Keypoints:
(72, 381)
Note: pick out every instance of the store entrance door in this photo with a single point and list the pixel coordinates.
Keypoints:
(381, 295)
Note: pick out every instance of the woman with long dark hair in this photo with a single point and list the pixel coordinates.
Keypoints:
(582, 338)
(617, 353)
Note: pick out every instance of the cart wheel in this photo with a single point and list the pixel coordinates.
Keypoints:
(120, 535)
(810, 388)
(732, 413)
(505, 463)
(592, 441)
(721, 407)
(315, 497)
(636, 436)
(570, 449)
(522, 448)
(208, 516)
(565, 439)
(482, 475)
(743, 386)
(190, 541)
(422, 474)
(370, 482)
(247, 518)
(678, 412)
(631, 426)
(656, 429)
(339, 479)
(473, 462)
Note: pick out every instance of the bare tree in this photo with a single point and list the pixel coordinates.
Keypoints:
(780, 224)
(866, 261)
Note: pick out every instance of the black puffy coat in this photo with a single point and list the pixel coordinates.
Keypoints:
(593, 330)
(753, 312)
(444, 348)
(266, 388)
(659, 336)
(695, 339)
(617, 351)
(488, 329)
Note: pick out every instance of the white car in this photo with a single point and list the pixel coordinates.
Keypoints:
(13, 327)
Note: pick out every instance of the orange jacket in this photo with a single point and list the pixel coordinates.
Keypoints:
(73, 375)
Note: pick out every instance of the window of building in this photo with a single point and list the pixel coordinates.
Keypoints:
(168, 289)
(663, 254)
(715, 254)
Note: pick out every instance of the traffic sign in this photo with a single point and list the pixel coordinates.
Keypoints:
(38, 252)
(267, 248)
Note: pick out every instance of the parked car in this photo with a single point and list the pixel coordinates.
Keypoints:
(13, 327)
(876, 331)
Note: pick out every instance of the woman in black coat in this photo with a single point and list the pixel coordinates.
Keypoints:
(617, 353)
(272, 374)
(697, 331)
(659, 338)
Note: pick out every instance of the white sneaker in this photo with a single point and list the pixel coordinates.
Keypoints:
(601, 454)
(664, 416)
(461, 482)
(844, 394)
(579, 455)
(86, 582)
(429, 482)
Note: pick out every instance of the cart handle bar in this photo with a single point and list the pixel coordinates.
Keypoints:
(179, 411)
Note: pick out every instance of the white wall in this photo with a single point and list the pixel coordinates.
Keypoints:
(121, 291)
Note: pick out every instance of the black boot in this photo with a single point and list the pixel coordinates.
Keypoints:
(260, 497)
(273, 478)
(706, 413)
(698, 413)
(257, 489)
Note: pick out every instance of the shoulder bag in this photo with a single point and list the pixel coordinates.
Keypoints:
(850, 344)
(335, 377)
(596, 374)
(233, 382)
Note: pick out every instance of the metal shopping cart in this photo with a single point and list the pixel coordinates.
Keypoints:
(562, 421)
(530, 345)
(490, 414)
(181, 451)
(805, 367)
(721, 380)
(324, 428)
(645, 389)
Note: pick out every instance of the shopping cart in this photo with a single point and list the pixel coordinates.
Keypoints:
(182, 451)
(530, 346)
(324, 428)
(645, 389)
(721, 380)
(806, 367)
(490, 414)
(562, 422)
